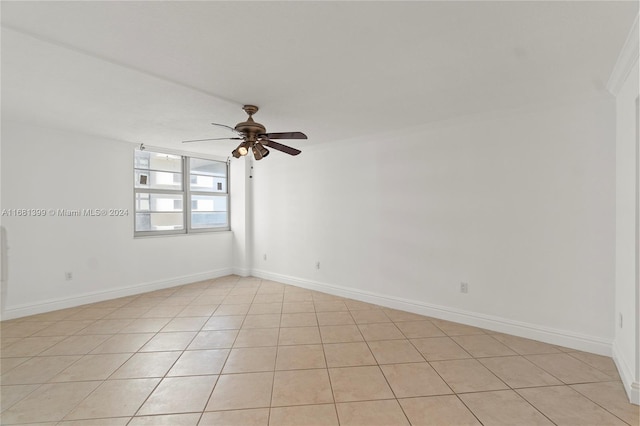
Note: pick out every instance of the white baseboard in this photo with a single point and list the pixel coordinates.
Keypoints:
(242, 272)
(99, 296)
(503, 325)
(626, 375)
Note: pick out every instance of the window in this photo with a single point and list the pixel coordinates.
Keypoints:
(208, 193)
(177, 194)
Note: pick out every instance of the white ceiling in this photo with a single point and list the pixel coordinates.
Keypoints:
(160, 72)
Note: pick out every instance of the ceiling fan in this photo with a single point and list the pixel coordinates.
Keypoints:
(255, 138)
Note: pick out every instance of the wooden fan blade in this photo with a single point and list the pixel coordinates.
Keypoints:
(278, 146)
(285, 135)
(233, 129)
(225, 126)
(212, 139)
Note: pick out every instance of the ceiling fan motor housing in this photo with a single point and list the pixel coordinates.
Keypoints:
(250, 128)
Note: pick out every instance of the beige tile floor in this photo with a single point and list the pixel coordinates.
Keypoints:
(245, 351)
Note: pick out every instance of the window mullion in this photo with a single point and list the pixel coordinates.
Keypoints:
(186, 187)
(157, 191)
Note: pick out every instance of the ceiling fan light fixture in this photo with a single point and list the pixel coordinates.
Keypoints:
(264, 151)
(235, 153)
(243, 149)
(257, 153)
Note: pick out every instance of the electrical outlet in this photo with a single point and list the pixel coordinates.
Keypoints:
(68, 276)
(464, 288)
(317, 265)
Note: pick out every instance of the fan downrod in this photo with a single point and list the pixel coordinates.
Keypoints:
(250, 109)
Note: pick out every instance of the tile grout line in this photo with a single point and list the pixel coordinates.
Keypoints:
(177, 293)
(382, 371)
(438, 373)
(472, 357)
(326, 363)
(509, 388)
(599, 405)
(204, 409)
(173, 364)
(275, 361)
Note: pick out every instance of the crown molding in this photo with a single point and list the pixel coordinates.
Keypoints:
(626, 59)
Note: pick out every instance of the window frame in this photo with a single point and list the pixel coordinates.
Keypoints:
(185, 192)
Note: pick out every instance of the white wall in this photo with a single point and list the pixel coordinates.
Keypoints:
(520, 205)
(626, 347)
(53, 169)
